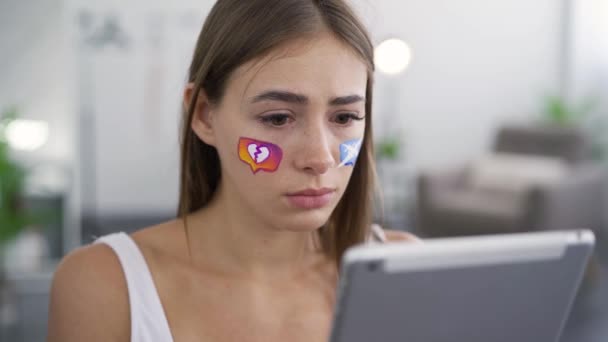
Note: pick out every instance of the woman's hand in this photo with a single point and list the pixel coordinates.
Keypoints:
(393, 235)
(397, 235)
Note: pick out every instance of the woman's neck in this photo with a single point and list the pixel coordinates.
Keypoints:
(227, 236)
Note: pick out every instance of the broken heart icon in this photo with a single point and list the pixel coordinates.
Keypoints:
(259, 155)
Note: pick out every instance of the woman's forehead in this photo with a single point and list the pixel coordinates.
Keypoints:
(317, 67)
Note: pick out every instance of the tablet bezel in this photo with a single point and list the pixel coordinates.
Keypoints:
(450, 254)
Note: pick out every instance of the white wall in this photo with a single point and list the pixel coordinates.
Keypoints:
(476, 64)
(35, 72)
(130, 97)
(589, 52)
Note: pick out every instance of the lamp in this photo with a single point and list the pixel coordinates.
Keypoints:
(27, 135)
(392, 56)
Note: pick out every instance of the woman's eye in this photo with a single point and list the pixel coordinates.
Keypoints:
(276, 120)
(346, 118)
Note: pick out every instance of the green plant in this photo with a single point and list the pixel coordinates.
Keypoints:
(12, 216)
(558, 111)
(585, 116)
(388, 148)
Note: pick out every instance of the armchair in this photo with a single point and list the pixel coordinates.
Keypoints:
(536, 178)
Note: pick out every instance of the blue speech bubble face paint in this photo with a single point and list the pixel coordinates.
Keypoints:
(349, 151)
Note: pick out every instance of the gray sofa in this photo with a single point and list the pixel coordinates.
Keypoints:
(449, 205)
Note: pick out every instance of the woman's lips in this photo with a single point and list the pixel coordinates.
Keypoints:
(311, 198)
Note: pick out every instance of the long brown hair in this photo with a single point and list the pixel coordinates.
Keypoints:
(238, 31)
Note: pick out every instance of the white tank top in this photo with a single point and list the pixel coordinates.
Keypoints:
(148, 320)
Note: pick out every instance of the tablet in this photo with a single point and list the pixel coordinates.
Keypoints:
(500, 288)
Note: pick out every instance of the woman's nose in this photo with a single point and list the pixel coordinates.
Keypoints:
(316, 155)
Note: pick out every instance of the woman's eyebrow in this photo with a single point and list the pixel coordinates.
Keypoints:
(290, 97)
(281, 96)
(346, 100)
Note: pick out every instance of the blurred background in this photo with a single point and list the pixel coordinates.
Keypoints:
(490, 117)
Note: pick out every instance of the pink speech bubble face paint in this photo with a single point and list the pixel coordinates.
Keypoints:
(260, 155)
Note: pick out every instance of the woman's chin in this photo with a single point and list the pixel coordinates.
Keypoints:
(305, 221)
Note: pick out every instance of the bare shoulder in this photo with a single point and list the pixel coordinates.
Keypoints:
(166, 239)
(397, 235)
(89, 297)
(160, 235)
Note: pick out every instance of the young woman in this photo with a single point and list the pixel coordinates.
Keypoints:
(276, 183)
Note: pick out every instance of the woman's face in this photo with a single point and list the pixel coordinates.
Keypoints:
(279, 130)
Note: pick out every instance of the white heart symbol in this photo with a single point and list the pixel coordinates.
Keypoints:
(258, 155)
